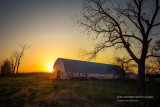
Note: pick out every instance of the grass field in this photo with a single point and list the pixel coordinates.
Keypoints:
(41, 90)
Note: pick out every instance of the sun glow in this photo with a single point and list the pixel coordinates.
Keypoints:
(50, 68)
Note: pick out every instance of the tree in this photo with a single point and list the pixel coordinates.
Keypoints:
(6, 67)
(20, 55)
(14, 61)
(153, 65)
(130, 25)
(125, 64)
(155, 50)
(16, 58)
(150, 70)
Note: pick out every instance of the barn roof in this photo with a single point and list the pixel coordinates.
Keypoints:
(78, 66)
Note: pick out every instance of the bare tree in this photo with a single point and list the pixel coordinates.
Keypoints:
(14, 61)
(153, 65)
(150, 70)
(157, 44)
(155, 50)
(130, 25)
(16, 57)
(20, 55)
(125, 63)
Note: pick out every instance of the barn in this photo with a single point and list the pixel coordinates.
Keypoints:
(68, 68)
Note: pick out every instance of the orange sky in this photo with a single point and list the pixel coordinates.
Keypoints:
(48, 28)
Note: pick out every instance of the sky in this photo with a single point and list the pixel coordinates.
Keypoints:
(47, 26)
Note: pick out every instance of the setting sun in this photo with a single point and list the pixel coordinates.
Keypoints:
(50, 69)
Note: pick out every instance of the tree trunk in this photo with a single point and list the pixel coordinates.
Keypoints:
(17, 68)
(141, 78)
(14, 68)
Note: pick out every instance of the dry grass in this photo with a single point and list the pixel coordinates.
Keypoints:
(41, 91)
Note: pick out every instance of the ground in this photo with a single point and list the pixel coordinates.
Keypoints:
(41, 90)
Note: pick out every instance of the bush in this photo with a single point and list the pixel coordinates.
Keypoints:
(6, 67)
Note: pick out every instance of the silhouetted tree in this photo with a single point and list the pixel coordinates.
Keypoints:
(6, 67)
(14, 61)
(155, 49)
(19, 55)
(11, 66)
(125, 64)
(130, 25)
(16, 57)
(153, 65)
(150, 70)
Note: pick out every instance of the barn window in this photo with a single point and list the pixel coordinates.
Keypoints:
(80, 74)
(71, 73)
(85, 74)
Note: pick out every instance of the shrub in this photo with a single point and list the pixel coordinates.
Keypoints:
(6, 67)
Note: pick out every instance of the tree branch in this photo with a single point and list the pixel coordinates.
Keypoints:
(132, 36)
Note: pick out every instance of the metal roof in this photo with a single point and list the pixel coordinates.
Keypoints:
(78, 66)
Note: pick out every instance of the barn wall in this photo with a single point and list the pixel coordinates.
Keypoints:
(93, 75)
(75, 68)
(59, 66)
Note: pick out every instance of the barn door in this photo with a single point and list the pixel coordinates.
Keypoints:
(58, 74)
